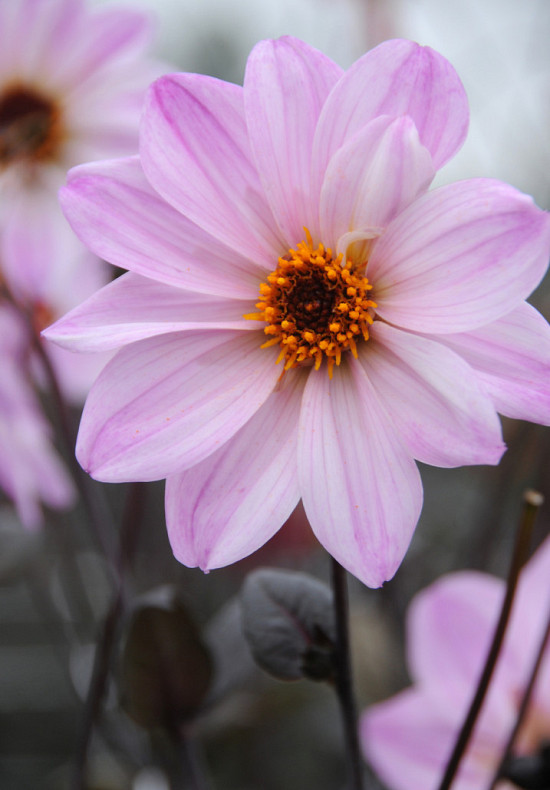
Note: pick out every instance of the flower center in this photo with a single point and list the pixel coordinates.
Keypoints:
(315, 306)
(30, 127)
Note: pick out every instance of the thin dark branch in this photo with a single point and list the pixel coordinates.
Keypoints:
(532, 502)
(191, 763)
(106, 641)
(524, 705)
(97, 511)
(343, 675)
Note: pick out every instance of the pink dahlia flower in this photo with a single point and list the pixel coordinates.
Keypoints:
(30, 470)
(409, 738)
(302, 317)
(72, 83)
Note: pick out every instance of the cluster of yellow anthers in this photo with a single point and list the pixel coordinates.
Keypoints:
(314, 306)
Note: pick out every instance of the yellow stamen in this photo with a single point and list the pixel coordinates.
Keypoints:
(315, 306)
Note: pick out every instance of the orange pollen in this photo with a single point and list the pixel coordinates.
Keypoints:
(31, 127)
(315, 307)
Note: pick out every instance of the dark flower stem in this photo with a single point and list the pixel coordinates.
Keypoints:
(192, 768)
(94, 505)
(343, 675)
(98, 515)
(524, 705)
(102, 661)
(532, 502)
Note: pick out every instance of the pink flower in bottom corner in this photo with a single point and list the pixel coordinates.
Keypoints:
(409, 738)
(301, 316)
(31, 473)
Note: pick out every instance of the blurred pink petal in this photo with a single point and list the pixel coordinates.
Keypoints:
(34, 236)
(56, 49)
(31, 472)
(108, 38)
(34, 33)
(449, 628)
(405, 726)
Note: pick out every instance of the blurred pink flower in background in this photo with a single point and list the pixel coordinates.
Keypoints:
(72, 82)
(30, 471)
(409, 738)
(398, 314)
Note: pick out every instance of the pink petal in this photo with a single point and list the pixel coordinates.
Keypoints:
(450, 626)
(33, 32)
(395, 168)
(530, 614)
(196, 154)
(166, 403)
(31, 472)
(37, 245)
(459, 257)
(106, 35)
(512, 357)
(408, 743)
(113, 209)
(132, 308)
(433, 397)
(229, 505)
(285, 86)
(361, 489)
(396, 78)
(75, 372)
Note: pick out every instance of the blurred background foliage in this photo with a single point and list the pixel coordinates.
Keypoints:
(57, 587)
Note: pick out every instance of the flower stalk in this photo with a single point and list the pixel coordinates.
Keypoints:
(343, 675)
(532, 502)
(524, 705)
(106, 641)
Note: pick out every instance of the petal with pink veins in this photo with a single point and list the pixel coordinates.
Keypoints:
(396, 78)
(132, 308)
(360, 487)
(229, 505)
(37, 245)
(285, 86)
(512, 357)
(35, 33)
(395, 169)
(107, 35)
(459, 257)
(196, 153)
(434, 399)
(166, 403)
(114, 210)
